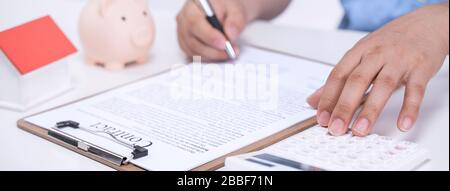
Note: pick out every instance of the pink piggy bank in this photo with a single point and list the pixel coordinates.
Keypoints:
(116, 33)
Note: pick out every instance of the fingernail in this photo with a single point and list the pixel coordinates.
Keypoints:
(362, 127)
(407, 124)
(337, 127)
(324, 118)
(219, 44)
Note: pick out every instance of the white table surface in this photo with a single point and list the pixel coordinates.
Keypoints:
(20, 150)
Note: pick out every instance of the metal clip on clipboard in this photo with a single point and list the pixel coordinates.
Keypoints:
(117, 159)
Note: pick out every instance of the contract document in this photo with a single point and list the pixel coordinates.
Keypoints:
(196, 113)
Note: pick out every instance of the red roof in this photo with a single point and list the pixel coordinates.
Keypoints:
(35, 44)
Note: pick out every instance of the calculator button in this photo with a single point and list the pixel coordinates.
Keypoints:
(375, 161)
(333, 151)
(352, 156)
(384, 156)
(363, 166)
(314, 146)
(324, 156)
(358, 139)
(371, 137)
(306, 151)
(405, 145)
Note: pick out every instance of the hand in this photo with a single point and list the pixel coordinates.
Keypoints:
(408, 51)
(198, 38)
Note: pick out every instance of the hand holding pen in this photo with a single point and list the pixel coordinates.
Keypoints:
(200, 35)
(214, 21)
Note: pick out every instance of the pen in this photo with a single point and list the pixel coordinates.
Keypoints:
(212, 19)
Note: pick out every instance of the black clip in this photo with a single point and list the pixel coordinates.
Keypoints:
(138, 151)
(64, 124)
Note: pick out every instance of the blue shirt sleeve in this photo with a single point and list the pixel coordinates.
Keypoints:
(369, 15)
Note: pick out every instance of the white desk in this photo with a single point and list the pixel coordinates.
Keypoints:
(20, 150)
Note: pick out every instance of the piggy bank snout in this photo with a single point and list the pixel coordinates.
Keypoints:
(142, 37)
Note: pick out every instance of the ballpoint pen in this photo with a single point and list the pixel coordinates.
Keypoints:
(212, 19)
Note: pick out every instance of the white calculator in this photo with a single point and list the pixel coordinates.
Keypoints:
(315, 150)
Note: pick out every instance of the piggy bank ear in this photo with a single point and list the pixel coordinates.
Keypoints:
(105, 5)
(142, 3)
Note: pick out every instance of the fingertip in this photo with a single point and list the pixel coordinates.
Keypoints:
(311, 102)
(232, 32)
(323, 118)
(314, 99)
(361, 127)
(405, 124)
(337, 127)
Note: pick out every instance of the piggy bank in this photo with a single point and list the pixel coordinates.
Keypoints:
(116, 33)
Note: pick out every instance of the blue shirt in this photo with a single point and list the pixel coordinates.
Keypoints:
(369, 15)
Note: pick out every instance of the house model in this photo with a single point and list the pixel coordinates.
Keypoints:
(32, 64)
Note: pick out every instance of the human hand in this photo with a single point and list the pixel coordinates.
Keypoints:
(198, 38)
(408, 51)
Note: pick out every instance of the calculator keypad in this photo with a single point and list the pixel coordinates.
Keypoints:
(316, 147)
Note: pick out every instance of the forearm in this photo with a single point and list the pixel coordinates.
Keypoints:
(265, 9)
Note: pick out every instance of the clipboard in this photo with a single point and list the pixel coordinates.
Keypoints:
(210, 166)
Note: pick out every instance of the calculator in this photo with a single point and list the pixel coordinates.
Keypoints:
(316, 150)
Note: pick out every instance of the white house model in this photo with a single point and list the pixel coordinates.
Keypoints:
(32, 68)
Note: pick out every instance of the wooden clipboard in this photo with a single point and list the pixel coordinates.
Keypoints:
(210, 166)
